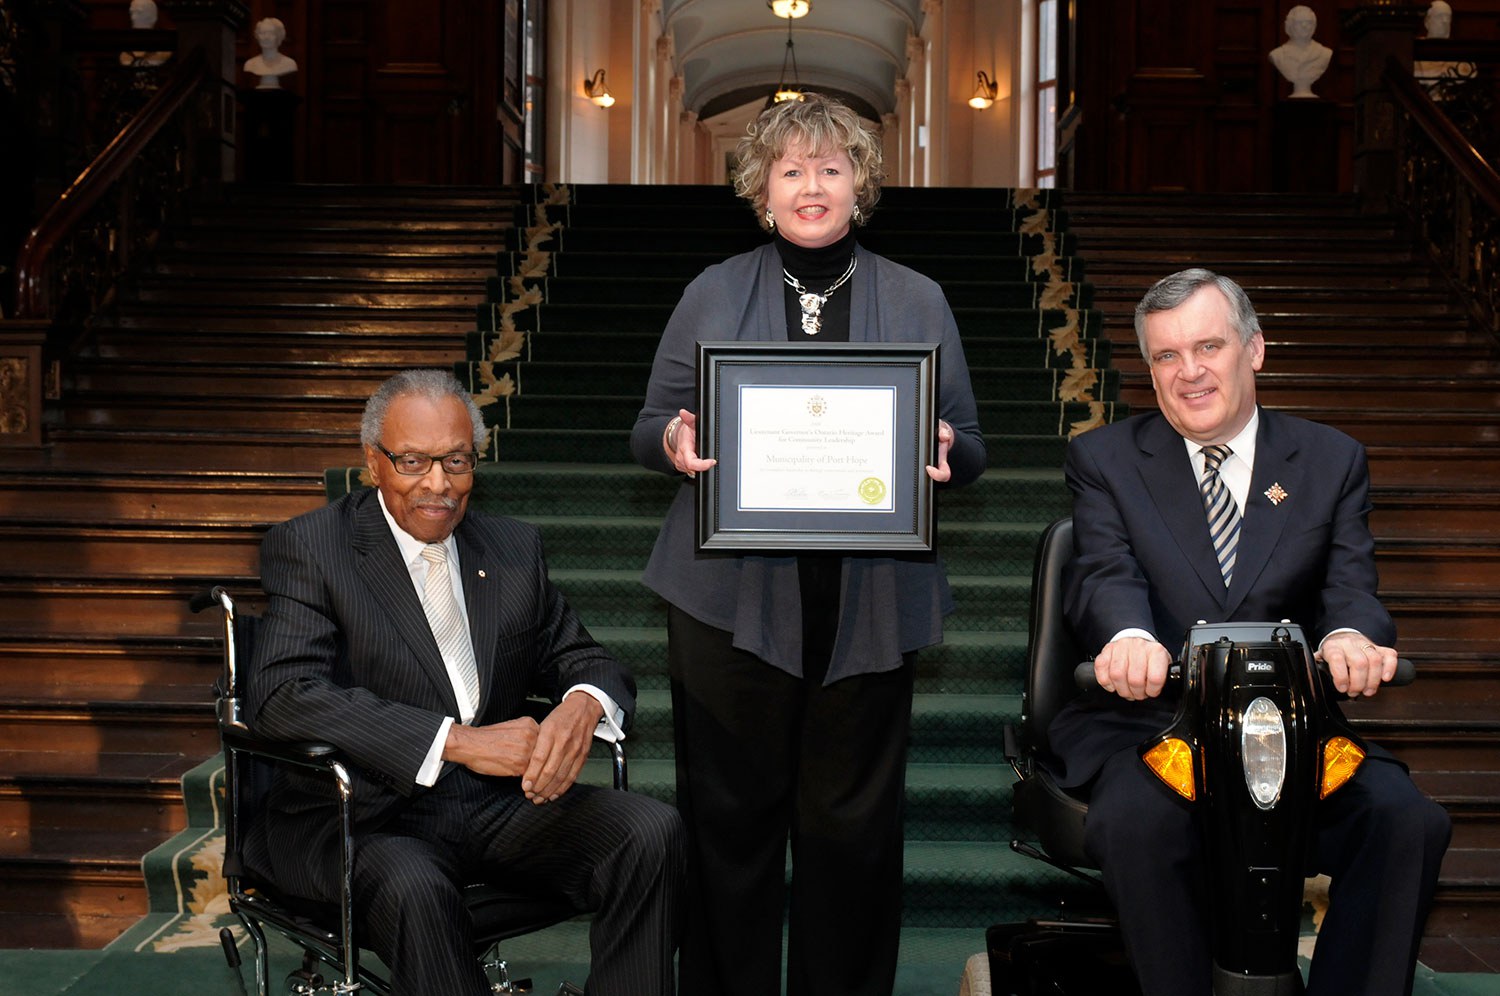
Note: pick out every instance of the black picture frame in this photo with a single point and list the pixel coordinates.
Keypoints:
(900, 521)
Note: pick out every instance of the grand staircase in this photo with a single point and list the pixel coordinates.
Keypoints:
(203, 411)
(232, 376)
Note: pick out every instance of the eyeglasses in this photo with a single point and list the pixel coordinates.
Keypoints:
(417, 464)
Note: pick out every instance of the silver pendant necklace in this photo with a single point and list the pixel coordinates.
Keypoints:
(812, 304)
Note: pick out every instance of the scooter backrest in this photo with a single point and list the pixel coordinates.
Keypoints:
(1051, 652)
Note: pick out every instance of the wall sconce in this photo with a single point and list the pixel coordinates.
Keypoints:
(984, 92)
(596, 91)
(789, 8)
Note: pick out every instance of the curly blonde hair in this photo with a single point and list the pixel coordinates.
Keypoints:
(817, 123)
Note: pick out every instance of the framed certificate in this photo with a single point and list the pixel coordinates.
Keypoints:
(819, 447)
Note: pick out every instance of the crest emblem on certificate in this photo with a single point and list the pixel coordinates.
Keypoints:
(872, 490)
(817, 406)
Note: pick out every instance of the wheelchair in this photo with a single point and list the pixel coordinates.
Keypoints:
(325, 932)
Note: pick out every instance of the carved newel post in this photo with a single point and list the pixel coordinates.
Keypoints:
(1380, 32)
(211, 25)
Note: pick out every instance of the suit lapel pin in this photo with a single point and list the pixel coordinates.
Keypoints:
(482, 574)
(1276, 493)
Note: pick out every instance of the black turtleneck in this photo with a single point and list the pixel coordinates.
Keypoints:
(817, 269)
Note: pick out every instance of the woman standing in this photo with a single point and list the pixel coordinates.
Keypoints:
(792, 675)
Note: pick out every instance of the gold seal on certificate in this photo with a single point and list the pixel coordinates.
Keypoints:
(872, 490)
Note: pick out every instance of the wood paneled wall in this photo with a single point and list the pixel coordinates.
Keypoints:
(1181, 95)
(394, 91)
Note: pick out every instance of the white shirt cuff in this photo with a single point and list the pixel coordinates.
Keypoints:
(432, 765)
(611, 728)
(1142, 634)
(1333, 632)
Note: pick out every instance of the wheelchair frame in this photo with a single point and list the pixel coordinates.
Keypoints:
(254, 904)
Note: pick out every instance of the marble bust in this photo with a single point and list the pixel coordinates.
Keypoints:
(1300, 60)
(270, 65)
(1438, 23)
(143, 15)
(1439, 19)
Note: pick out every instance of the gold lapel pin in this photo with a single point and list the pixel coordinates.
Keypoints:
(482, 574)
(1276, 493)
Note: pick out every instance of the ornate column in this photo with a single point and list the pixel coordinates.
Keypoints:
(668, 103)
(905, 135)
(211, 25)
(681, 130)
(644, 109)
(1380, 31)
(916, 116)
(935, 32)
(890, 142)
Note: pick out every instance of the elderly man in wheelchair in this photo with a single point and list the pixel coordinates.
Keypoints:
(405, 636)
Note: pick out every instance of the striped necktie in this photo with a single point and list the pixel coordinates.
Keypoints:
(1223, 515)
(447, 621)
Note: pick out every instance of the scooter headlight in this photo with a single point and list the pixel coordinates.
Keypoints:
(1263, 750)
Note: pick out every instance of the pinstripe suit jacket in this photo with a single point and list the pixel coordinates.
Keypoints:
(345, 653)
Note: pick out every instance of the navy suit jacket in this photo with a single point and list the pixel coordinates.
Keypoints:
(1143, 557)
(345, 655)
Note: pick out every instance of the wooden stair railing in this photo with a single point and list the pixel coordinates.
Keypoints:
(38, 295)
(1451, 195)
(68, 266)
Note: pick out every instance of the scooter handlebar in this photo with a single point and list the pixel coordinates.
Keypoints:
(1406, 672)
(1083, 674)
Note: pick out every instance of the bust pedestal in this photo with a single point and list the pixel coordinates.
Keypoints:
(270, 123)
(1304, 146)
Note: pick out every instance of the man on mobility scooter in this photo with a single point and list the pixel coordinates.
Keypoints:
(1218, 510)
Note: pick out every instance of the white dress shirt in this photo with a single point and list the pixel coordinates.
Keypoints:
(610, 724)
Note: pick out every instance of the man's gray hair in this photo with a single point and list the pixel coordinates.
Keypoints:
(434, 385)
(1171, 292)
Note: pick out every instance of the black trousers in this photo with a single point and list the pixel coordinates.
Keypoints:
(763, 757)
(614, 853)
(1379, 839)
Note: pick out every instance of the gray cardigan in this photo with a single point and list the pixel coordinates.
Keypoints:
(889, 605)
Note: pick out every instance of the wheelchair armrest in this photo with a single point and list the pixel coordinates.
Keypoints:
(308, 753)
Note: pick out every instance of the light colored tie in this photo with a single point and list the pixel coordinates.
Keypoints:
(447, 621)
(1223, 514)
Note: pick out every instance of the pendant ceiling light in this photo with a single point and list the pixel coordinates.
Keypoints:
(789, 8)
(783, 90)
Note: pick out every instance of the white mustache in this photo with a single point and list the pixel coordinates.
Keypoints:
(446, 503)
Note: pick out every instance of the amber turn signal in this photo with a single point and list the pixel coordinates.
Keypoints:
(1172, 762)
(1341, 759)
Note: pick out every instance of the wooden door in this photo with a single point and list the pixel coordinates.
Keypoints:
(404, 93)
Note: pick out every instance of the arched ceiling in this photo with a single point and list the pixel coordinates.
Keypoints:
(729, 52)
